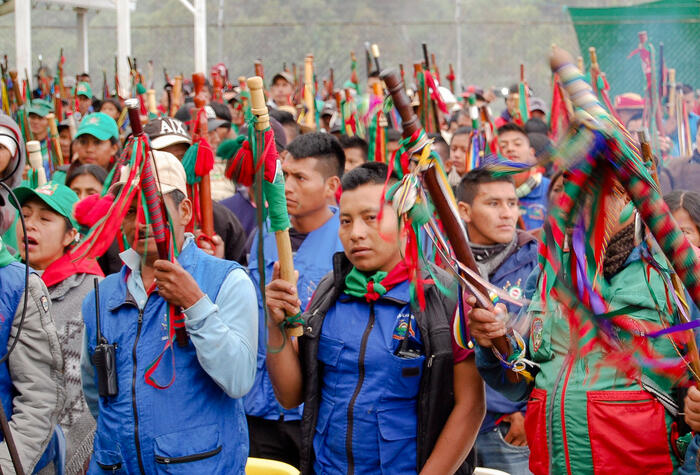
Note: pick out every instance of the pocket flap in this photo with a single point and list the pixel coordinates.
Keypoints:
(109, 460)
(329, 350)
(398, 423)
(202, 440)
(324, 415)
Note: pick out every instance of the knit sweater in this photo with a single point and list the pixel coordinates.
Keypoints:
(75, 420)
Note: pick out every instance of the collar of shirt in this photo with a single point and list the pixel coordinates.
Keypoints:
(134, 282)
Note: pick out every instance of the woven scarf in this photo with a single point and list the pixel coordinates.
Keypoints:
(372, 287)
(489, 258)
(5, 256)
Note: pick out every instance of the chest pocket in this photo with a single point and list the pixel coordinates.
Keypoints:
(329, 350)
(404, 380)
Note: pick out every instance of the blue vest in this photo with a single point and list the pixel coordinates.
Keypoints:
(313, 260)
(11, 292)
(191, 427)
(368, 411)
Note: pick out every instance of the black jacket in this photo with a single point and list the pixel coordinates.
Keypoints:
(436, 394)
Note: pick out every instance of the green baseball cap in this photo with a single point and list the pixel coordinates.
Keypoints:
(40, 107)
(84, 89)
(59, 198)
(99, 125)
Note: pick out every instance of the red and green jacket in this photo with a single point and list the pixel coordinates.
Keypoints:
(583, 418)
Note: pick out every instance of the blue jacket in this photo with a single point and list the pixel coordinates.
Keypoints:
(313, 260)
(198, 424)
(11, 292)
(373, 409)
(533, 206)
(510, 276)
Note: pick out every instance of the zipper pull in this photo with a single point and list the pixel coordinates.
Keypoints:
(430, 361)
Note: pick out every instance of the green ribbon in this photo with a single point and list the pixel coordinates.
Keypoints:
(357, 283)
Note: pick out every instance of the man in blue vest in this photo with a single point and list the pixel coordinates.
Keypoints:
(384, 388)
(313, 166)
(183, 411)
(530, 185)
(505, 256)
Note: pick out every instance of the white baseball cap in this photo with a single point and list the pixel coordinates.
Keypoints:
(170, 173)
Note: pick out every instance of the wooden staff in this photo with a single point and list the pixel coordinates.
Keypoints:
(176, 95)
(284, 244)
(19, 100)
(36, 161)
(374, 49)
(380, 142)
(151, 102)
(218, 85)
(55, 139)
(200, 130)
(595, 69)
(309, 100)
(672, 92)
(445, 207)
(451, 78)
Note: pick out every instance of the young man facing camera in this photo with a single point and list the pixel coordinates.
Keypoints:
(530, 185)
(383, 389)
(505, 257)
(312, 169)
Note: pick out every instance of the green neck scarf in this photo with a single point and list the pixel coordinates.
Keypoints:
(360, 285)
(373, 287)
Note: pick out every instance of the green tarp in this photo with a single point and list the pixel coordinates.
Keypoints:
(614, 34)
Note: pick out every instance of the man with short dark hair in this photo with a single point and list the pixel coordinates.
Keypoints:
(196, 422)
(355, 149)
(312, 169)
(383, 386)
(505, 257)
(530, 185)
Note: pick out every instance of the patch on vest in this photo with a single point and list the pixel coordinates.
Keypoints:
(404, 326)
(536, 332)
(44, 303)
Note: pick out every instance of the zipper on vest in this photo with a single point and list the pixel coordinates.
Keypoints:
(358, 388)
(187, 458)
(133, 392)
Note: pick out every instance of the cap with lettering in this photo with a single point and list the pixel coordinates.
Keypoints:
(166, 131)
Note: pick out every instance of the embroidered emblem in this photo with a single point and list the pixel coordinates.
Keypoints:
(516, 291)
(44, 303)
(536, 332)
(404, 326)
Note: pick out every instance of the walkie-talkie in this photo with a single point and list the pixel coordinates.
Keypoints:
(104, 358)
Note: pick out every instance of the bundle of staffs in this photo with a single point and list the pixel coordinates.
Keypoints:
(598, 154)
(412, 203)
(198, 162)
(257, 164)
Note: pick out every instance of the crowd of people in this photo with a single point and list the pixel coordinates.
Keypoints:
(93, 380)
